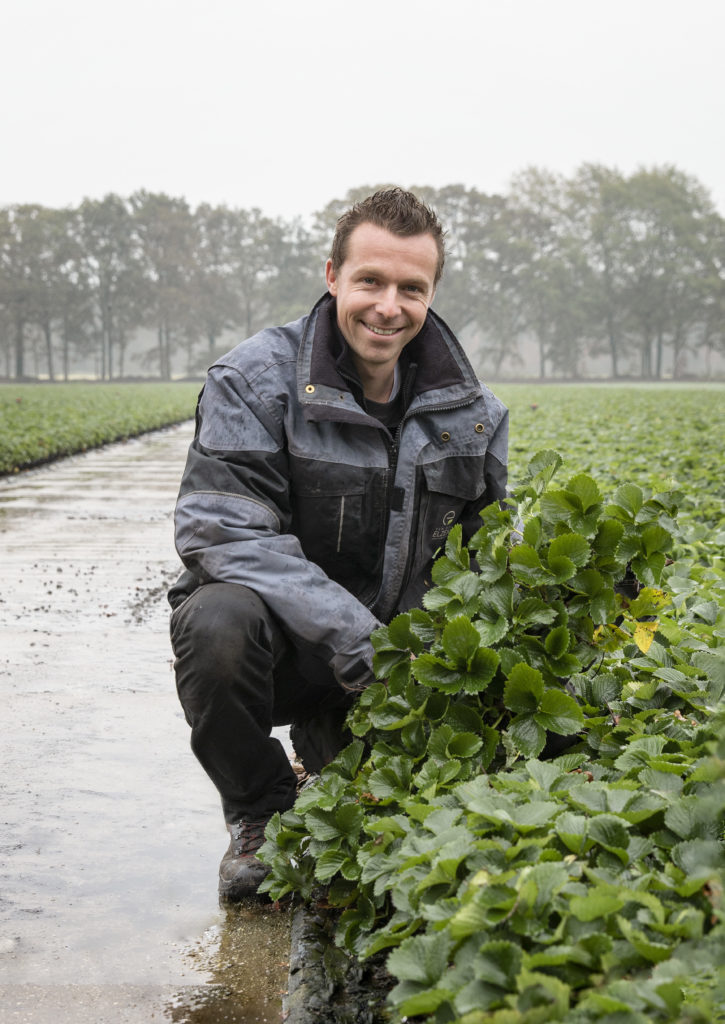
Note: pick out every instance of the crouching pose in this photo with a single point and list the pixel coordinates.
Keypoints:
(331, 458)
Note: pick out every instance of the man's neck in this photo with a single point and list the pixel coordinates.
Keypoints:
(377, 384)
(378, 389)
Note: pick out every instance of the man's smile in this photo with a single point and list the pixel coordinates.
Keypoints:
(386, 332)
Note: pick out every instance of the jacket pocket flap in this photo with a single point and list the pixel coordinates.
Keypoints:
(461, 475)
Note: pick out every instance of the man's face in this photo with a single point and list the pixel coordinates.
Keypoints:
(383, 291)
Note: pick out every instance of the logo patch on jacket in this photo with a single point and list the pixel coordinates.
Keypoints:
(442, 531)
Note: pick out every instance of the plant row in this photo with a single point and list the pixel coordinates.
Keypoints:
(528, 820)
(39, 423)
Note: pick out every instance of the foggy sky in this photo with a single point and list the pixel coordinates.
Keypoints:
(286, 105)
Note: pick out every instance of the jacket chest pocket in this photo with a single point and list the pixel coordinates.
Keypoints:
(340, 522)
(454, 491)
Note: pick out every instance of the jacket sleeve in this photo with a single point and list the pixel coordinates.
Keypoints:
(232, 523)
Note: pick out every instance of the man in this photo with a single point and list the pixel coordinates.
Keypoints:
(331, 458)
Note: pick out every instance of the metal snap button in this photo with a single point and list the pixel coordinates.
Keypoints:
(310, 389)
(479, 428)
(445, 436)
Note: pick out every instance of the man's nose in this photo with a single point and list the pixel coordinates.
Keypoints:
(388, 303)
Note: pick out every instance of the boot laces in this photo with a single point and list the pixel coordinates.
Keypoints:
(248, 834)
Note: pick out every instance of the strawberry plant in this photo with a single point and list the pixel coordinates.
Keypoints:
(529, 820)
(39, 422)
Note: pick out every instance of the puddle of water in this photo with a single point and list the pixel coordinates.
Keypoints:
(111, 833)
(246, 962)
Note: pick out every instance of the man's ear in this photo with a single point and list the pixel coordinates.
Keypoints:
(331, 278)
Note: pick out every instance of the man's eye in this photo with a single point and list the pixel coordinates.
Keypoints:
(413, 288)
(368, 280)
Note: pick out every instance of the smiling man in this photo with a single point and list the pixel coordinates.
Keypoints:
(331, 458)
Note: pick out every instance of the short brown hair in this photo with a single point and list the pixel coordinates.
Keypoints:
(395, 210)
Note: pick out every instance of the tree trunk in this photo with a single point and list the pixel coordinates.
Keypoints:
(65, 354)
(160, 341)
(164, 351)
(646, 357)
(542, 356)
(121, 355)
(677, 354)
(48, 333)
(612, 337)
(19, 349)
(104, 348)
(659, 350)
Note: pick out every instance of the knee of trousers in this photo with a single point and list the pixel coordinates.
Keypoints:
(220, 627)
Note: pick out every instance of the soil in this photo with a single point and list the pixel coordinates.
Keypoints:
(111, 834)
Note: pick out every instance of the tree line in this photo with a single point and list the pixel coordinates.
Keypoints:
(594, 273)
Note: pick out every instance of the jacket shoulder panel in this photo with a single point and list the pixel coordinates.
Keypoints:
(248, 389)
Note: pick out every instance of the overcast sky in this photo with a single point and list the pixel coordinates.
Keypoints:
(285, 105)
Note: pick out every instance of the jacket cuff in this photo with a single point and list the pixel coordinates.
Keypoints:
(354, 670)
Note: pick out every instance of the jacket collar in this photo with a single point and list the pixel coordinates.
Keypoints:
(323, 370)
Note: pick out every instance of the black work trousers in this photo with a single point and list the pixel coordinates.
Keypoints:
(237, 676)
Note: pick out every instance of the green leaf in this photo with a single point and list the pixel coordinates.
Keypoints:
(421, 958)
(608, 536)
(490, 631)
(328, 864)
(460, 640)
(598, 902)
(572, 830)
(542, 468)
(655, 538)
(464, 744)
(527, 735)
(402, 636)
(454, 550)
(481, 671)
(435, 672)
(699, 858)
(524, 689)
(492, 564)
(586, 490)
(559, 506)
(344, 821)
(526, 565)
(610, 833)
(628, 500)
(418, 1003)
(534, 611)
(588, 582)
(500, 962)
(348, 760)
(499, 596)
(557, 641)
(559, 713)
(569, 545)
(562, 568)
(392, 780)
(656, 952)
(532, 532)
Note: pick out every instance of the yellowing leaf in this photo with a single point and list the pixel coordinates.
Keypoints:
(644, 634)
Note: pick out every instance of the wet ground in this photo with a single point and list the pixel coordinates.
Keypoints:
(110, 833)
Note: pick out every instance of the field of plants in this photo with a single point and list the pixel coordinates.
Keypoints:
(39, 422)
(528, 824)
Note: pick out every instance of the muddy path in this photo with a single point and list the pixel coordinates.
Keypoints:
(110, 834)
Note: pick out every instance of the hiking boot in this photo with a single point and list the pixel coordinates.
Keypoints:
(240, 872)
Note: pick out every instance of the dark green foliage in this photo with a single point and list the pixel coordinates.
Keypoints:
(38, 422)
(530, 817)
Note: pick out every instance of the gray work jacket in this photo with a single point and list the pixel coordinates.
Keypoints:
(293, 490)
